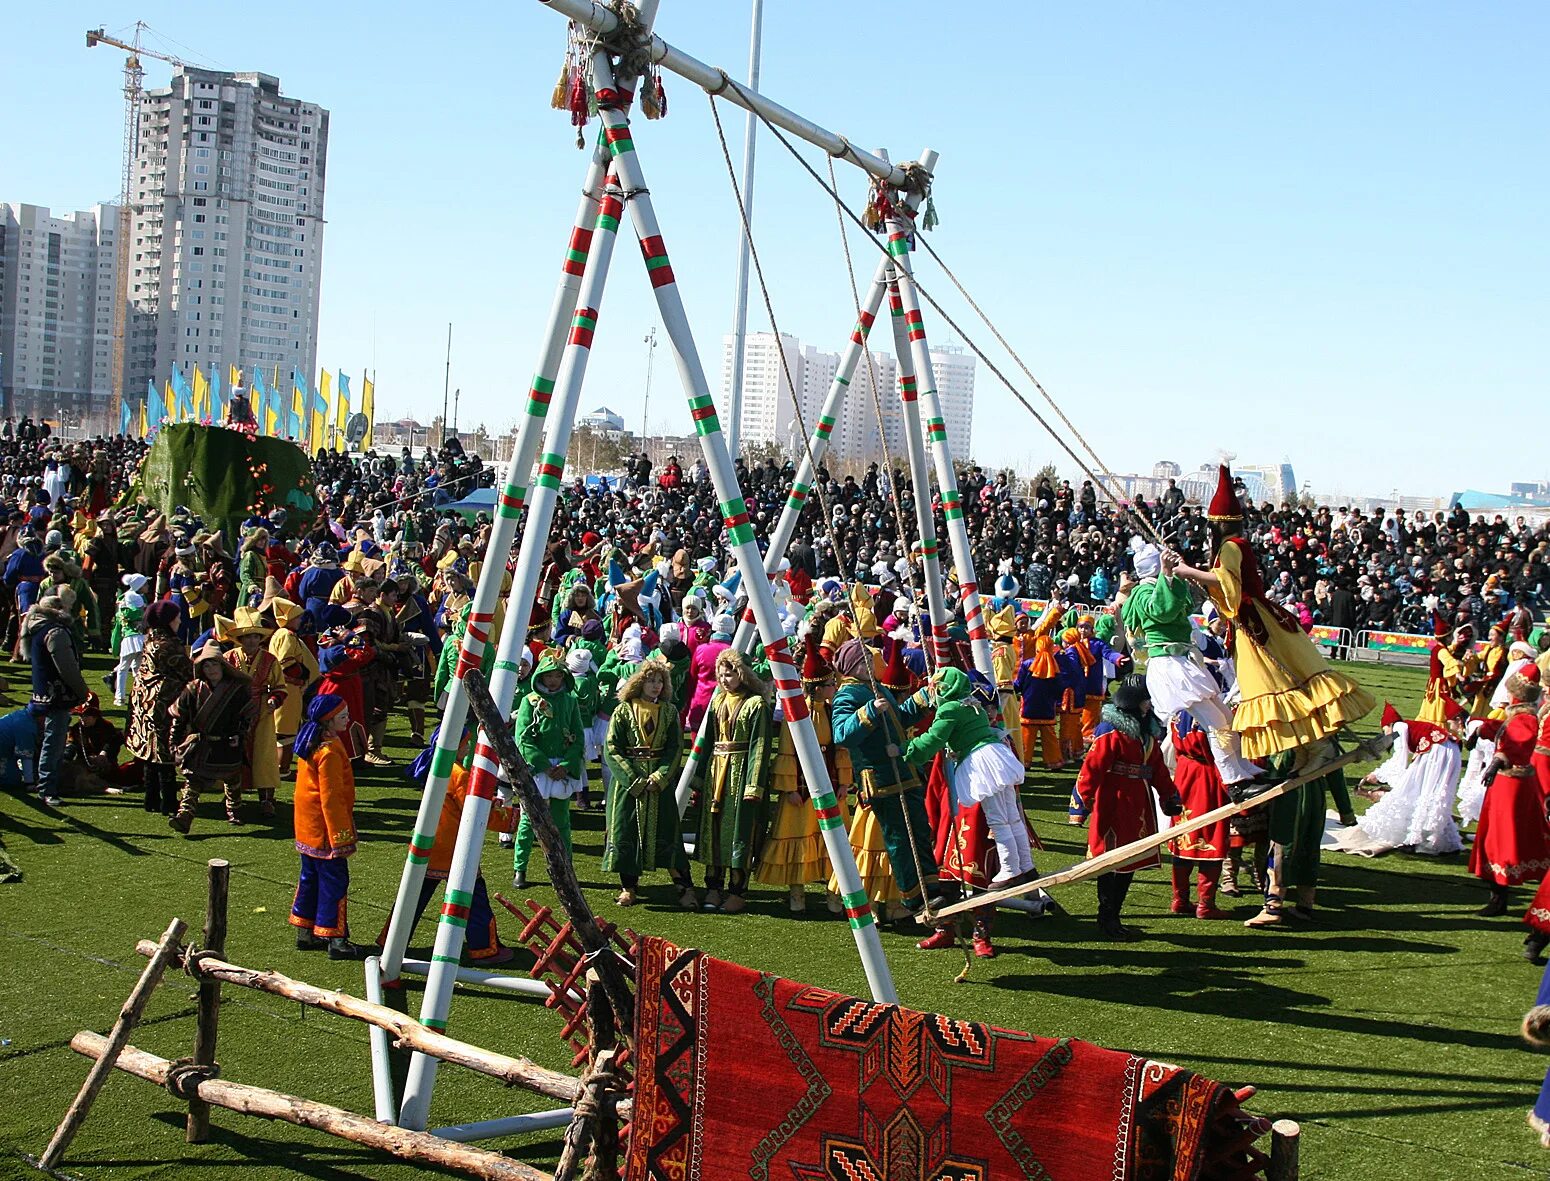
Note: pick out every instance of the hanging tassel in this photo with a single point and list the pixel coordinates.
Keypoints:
(576, 99)
(648, 104)
(660, 95)
(561, 88)
(931, 218)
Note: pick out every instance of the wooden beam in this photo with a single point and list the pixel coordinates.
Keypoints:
(517, 1072)
(113, 1045)
(420, 1147)
(198, 1124)
(1104, 862)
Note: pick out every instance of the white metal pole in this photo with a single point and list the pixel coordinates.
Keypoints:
(745, 246)
(441, 978)
(740, 540)
(920, 476)
(801, 486)
(381, 1066)
(929, 408)
(487, 592)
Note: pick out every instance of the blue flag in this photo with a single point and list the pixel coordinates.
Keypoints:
(156, 406)
(183, 393)
(125, 417)
(217, 405)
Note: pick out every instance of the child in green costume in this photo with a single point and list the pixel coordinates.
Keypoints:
(550, 735)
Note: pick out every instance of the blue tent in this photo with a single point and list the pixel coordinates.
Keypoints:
(480, 500)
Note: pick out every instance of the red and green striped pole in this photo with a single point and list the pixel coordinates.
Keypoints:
(920, 474)
(740, 541)
(487, 593)
(801, 486)
(572, 330)
(928, 407)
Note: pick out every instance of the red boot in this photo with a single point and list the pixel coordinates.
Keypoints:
(983, 947)
(1181, 870)
(1206, 883)
(938, 940)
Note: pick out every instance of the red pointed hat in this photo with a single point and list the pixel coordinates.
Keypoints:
(1224, 505)
(1390, 716)
(1451, 709)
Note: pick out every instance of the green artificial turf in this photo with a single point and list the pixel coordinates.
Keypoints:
(1389, 1029)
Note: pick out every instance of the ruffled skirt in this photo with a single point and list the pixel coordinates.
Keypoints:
(985, 771)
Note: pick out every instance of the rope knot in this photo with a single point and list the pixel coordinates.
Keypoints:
(184, 1076)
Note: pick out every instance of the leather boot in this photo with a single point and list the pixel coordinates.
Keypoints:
(266, 802)
(1181, 870)
(1497, 906)
(1534, 944)
(1205, 906)
(374, 740)
(1230, 868)
(417, 725)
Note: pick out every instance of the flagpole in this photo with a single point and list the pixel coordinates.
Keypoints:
(740, 309)
(446, 385)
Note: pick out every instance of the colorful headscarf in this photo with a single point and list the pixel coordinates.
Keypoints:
(313, 731)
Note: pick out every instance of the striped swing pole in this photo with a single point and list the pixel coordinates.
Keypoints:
(740, 541)
(780, 537)
(441, 976)
(929, 409)
(487, 592)
(915, 445)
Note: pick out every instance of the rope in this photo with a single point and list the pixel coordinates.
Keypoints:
(848, 606)
(184, 1076)
(1145, 525)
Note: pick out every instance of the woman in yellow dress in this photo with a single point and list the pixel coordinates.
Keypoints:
(1289, 698)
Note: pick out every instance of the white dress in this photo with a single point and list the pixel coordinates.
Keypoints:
(1417, 813)
(1472, 787)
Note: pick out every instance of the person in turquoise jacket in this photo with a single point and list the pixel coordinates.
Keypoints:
(987, 774)
(552, 739)
(869, 723)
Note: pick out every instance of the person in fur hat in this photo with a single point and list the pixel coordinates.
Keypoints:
(642, 749)
(1122, 785)
(266, 682)
(212, 721)
(49, 645)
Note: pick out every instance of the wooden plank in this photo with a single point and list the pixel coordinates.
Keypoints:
(1104, 862)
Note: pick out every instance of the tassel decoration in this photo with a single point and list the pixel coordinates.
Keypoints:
(648, 105)
(561, 88)
(576, 101)
(931, 218)
(660, 95)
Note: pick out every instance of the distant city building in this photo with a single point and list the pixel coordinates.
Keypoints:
(608, 422)
(57, 300)
(226, 263)
(769, 413)
(1166, 469)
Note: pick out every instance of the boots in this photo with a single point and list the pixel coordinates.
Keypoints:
(375, 737)
(1111, 895)
(942, 937)
(181, 821)
(307, 941)
(266, 802)
(1304, 908)
(798, 900)
(1497, 906)
(1181, 870)
(983, 947)
(1230, 868)
(1270, 916)
(340, 948)
(417, 725)
(1205, 894)
(1534, 944)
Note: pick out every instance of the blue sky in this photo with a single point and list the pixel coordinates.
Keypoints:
(1313, 231)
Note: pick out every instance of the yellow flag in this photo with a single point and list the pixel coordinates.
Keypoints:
(144, 427)
(233, 378)
(341, 412)
(171, 399)
(318, 434)
(298, 414)
(201, 395)
(272, 417)
(369, 409)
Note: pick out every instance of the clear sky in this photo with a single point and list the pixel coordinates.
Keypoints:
(1312, 231)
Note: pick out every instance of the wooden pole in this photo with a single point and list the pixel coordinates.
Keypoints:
(517, 1072)
(112, 1045)
(1104, 862)
(198, 1124)
(562, 876)
(420, 1147)
(1285, 1139)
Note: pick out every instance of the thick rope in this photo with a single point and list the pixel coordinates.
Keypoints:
(1082, 465)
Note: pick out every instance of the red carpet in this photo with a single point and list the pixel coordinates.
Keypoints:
(739, 1075)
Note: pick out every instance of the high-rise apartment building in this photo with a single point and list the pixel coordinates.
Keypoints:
(56, 310)
(768, 416)
(226, 258)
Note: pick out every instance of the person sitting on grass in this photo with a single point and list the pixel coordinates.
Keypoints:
(325, 830)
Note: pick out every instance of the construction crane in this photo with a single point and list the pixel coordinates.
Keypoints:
(134, 76)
